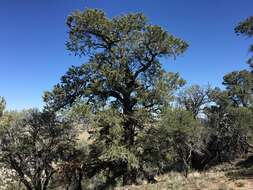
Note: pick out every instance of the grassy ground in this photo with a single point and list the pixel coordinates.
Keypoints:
(225, 177)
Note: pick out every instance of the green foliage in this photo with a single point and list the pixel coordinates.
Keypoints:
(229, 133)
(124, 62)
(171, 141)
(7, 117)
(229, 125)
(123, 84)
(2, 105)
(194, 99)
(80, 114)
(243, 120)
(239, 85)
(174, 120)
(184, 132)
(91, 30)
(32, 144)
(109, 151)
(246, 28)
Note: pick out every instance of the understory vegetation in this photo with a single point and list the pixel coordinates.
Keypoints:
(121, 119)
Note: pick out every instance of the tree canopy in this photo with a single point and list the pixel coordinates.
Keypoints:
(246, 28)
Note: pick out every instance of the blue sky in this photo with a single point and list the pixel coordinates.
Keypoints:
(33, 34)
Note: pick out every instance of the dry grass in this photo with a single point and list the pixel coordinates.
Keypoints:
(211, 180)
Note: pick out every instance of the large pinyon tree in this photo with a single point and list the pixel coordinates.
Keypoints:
(123, 82)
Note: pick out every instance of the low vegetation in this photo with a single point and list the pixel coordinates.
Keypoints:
(208, 180)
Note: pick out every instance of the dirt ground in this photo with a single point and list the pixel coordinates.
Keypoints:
(224, 177)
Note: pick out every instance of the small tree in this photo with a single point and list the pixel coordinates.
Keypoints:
(172, 142)
(230, 126)
(33, 146)
(228, 134)
(194, 98)
(184, 132)
(239, 85)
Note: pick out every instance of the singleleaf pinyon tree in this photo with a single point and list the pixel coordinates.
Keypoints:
(123, 73)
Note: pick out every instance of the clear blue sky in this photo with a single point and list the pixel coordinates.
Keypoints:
(33, 33)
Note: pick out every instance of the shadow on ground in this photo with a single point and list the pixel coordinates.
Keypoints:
(243, 170)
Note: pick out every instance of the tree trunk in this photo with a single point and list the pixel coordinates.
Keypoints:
(76, 180)
(27, 184)
(78, 185)
(129, 177)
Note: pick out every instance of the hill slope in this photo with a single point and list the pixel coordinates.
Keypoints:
(225, 177)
